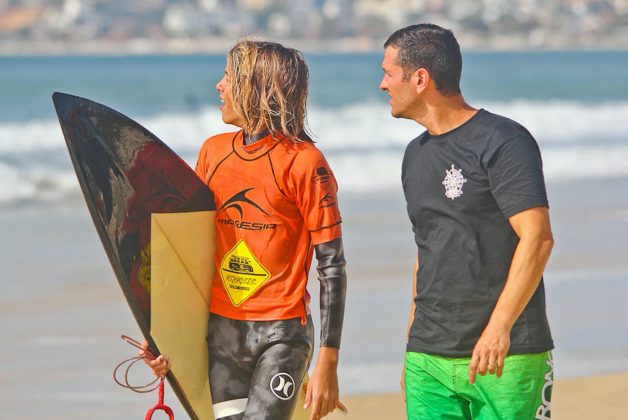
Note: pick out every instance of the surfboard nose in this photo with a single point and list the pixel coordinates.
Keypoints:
(64, 103)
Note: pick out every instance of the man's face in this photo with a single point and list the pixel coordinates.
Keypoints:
(229, 116)
(403, 93)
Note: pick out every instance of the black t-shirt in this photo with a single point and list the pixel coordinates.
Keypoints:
(461, 187)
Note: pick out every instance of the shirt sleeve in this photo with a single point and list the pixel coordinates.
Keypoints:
(315, 193)
(515, 173)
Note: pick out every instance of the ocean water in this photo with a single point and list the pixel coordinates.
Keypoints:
(62, 311)
(574, 103)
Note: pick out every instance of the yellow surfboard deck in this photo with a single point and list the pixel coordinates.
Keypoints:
(182, 264)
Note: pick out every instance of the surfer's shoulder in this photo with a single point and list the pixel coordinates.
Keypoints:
(297, 157)
(303, 149)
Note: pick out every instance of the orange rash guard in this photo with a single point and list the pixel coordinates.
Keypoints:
(275, 200)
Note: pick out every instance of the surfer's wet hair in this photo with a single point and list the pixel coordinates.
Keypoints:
(430, 47)
(269, 86)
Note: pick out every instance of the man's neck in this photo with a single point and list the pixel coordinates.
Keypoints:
(445, 113)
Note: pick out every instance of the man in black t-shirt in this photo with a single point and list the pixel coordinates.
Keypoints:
(476, 198)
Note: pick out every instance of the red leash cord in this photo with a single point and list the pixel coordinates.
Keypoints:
(143, 388)
(160, 404)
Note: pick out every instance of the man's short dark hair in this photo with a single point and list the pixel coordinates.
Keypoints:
(430, 47)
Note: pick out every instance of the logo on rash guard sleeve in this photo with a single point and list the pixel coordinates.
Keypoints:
(327, 201)
(282, 386)
(323, 174)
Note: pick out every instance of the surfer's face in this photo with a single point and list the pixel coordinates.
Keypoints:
(403, 92)
(229, 116)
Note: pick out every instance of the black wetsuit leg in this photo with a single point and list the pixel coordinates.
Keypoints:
(256, 367)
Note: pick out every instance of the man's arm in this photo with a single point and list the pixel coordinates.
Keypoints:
(412, 304)
(533, 228)
(410, 322)
(322, 391)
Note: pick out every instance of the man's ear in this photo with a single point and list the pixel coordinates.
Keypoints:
(421, 79)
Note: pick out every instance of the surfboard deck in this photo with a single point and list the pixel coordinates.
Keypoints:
(154, 217)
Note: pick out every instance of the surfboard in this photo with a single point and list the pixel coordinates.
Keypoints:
(131, 181)
(155, 219)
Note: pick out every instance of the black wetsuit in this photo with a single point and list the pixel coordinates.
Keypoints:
(256, 367)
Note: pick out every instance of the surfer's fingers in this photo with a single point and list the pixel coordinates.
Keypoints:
(326, 403)
(143, 349)
(159, 366)
(324, 407)
(308, 396)
(165, 365)
(144, 352)
(332, 402)
(315, 411)
(316, 407)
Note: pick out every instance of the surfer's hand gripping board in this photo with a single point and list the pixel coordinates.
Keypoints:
(146, 355)
(159, 365)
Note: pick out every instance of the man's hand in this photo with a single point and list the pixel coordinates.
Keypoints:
(159, 365)
(489, 352)
(533, 228)
(322, 389)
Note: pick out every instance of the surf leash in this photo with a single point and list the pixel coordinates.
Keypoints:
(158, 383)
(160, 404)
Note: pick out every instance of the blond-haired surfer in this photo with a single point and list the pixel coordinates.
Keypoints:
(276, 205)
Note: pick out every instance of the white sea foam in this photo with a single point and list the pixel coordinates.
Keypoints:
(362, 142)
(370, 125)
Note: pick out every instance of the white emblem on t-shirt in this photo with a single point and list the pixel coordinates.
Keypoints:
(453, 182)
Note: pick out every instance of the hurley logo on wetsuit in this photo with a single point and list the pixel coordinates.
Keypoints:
(282, 386)
(234, 203)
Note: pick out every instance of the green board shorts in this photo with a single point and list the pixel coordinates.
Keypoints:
(438, 388)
